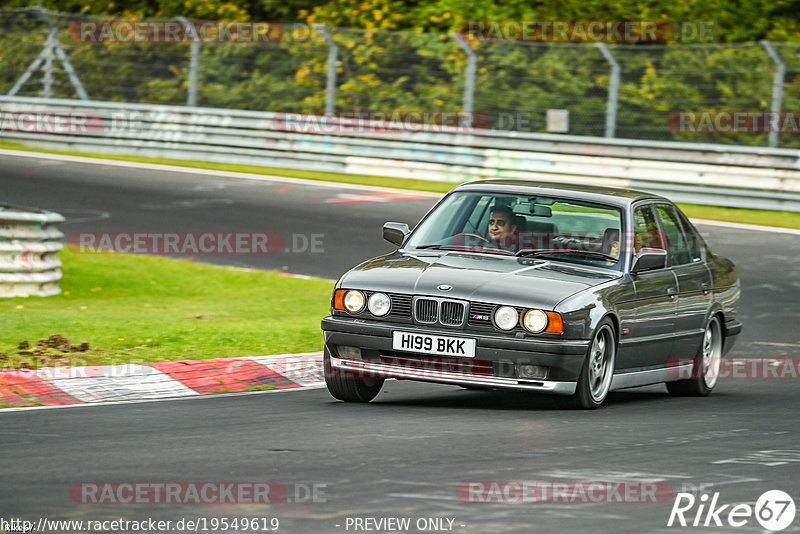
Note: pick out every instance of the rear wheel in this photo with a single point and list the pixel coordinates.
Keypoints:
(594, 382)
(345, 386)
(705, 370)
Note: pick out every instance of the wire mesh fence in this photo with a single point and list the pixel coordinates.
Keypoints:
(627, 91)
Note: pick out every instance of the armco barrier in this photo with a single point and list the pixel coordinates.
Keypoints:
(721, 175)
(29, 244)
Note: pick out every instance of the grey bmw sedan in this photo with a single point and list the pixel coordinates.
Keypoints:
(561, 289)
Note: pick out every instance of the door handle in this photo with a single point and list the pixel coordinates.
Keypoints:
(671, 292)
(704, 286)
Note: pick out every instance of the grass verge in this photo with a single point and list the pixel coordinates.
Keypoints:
(136, 309)
(786, 219)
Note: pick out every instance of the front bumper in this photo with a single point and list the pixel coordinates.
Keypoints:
(563, 358)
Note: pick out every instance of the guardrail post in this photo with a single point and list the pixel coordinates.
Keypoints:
(194, 63)
(777, 89)
(333, 57)
(613, 90)
(469, 75)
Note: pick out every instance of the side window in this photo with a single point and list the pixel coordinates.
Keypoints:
(476, 222)
(694, 241)
(645, 229)
(676, 243)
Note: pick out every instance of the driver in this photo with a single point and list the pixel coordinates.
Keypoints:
(502, 227)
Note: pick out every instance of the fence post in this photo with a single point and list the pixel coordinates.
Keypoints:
(52, 49)
(613, 90)
(58, 50)
(333, 57)
(49, 56)
(194, 63)
(469, 75)
(777, 90)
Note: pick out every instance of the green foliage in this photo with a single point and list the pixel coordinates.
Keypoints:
(395, 55)
(736, 20)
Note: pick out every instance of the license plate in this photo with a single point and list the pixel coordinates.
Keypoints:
(441, 345)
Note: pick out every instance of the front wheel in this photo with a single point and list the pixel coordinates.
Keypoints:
(345, 386)
(705, 369)
(594, 382)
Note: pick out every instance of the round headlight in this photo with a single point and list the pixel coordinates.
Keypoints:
(354, 301)
(534, 321)
(506, 317)
(379, 304)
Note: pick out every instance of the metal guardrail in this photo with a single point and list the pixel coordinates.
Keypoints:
(29, 244)
(722, 175)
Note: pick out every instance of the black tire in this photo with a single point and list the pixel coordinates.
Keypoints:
(705, 368)
(344, 386)
(597, 372)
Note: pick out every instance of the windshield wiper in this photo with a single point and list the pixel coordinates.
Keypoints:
(466, 248)
(548, 251)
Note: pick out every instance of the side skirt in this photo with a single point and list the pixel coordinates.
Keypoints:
(651, 376)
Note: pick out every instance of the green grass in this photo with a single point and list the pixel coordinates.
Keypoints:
(146, 309)
(786, 219)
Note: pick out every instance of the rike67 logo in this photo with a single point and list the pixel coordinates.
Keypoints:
(774, 510)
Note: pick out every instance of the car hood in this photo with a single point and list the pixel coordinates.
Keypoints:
(477, 277)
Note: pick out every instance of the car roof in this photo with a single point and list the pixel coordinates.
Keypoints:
(616, 196)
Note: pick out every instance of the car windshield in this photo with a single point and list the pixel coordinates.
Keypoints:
(523, 225)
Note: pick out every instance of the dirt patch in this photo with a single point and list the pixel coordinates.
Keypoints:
(56, 342)
(52, 351)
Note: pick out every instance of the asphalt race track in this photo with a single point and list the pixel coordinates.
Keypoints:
(405, 454)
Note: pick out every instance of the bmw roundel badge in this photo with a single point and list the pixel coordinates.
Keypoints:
(444, 287)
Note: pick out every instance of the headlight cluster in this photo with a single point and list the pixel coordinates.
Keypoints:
(354, 301)
(379, 304)
(534, 321)
(506, 317)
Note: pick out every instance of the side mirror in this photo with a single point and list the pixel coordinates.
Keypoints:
(648, 259)
(395, 233)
